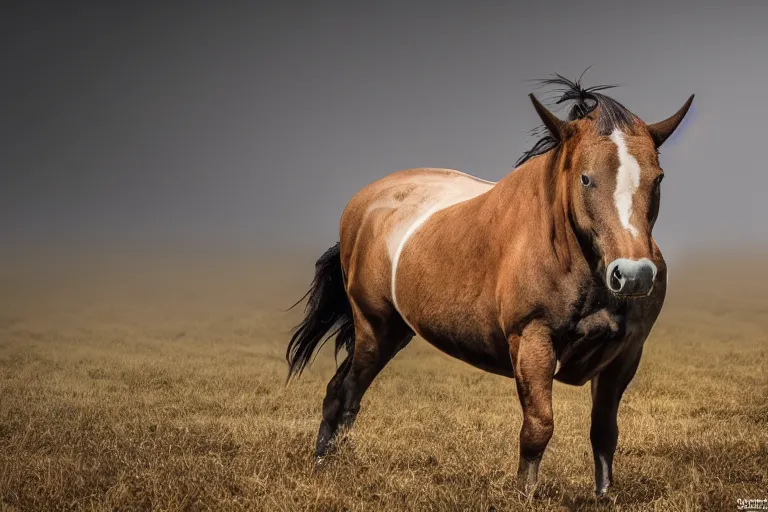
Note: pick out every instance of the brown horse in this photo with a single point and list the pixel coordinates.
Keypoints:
(550, 273)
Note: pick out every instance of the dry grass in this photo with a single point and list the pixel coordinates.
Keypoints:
(162, 387)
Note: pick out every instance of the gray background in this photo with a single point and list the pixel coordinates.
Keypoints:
(251, 125)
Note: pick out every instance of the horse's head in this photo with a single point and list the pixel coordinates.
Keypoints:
(608, 168)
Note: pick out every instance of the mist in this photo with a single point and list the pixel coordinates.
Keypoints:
(251, 125)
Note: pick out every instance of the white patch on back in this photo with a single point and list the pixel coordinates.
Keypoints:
(396, 256)
(627, 181)
(442, 190)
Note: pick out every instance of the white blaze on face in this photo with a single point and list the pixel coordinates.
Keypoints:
(627, 181)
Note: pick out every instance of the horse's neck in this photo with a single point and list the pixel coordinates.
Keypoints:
(535, 193)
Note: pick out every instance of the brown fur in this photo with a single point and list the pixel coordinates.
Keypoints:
(511, 280)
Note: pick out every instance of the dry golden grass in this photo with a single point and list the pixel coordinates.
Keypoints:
(139, 386)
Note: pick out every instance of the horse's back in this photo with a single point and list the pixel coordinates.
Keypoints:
(379, 219)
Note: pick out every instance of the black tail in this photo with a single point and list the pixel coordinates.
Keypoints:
(327, 308)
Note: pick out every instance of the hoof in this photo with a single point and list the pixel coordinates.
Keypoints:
(320, 462)
(528, 489)
(603, 493)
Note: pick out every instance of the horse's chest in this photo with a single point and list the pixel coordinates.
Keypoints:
(588, 345)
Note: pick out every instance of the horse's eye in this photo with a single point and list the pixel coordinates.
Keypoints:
(585, 180)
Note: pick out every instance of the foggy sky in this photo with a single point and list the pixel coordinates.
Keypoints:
(253, 124)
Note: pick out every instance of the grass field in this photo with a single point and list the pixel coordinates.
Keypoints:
(155, 385)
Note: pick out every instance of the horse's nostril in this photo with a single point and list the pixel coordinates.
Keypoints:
(631, 277)
(616, 279)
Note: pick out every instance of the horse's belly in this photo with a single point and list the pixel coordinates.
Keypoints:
(453, 312)
(479, 350)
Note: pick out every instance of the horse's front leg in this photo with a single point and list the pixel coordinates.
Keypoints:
(533, 360)
(607, 389)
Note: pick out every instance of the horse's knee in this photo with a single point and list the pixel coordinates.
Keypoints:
(535, 435)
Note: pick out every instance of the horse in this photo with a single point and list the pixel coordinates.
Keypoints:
(551, 273)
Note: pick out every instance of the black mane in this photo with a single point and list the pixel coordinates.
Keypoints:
(611, 113)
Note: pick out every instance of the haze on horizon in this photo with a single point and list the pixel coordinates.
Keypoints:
(253, 125)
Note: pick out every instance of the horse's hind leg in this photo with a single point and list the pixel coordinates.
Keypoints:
(332, 408)
(377, 341)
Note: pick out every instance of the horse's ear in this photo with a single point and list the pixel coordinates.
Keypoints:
(550, 120)
(663, 129)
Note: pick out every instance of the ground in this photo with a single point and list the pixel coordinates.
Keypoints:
(161, 385)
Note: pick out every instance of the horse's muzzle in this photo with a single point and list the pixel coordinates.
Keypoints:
(631, 278)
